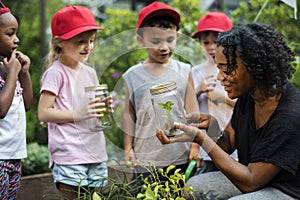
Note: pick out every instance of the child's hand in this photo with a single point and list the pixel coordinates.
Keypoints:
(198, 119)
(94, 108)
(24, 61)
(129, 156)
(193, 117)
(207, 85)
(217, 95)
(12, 65)
(109, 100)
(195, 154)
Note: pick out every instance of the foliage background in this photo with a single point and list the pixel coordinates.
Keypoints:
(117, 48)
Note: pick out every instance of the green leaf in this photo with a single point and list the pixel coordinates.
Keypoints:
(165, 116)
(170, 168)
(156, 191)
(96, 196)
(166, 106)
(150, 194)
(140, 195)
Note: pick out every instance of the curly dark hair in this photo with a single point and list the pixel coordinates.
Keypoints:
(263, 52)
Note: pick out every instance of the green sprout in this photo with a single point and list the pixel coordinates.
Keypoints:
(168, 107)
(165, 184)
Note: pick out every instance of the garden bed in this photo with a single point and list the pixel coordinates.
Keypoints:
(41, 186)
(38, 187)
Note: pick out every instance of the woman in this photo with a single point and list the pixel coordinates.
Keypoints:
(254, 66)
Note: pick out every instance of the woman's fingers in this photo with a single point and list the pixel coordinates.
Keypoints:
(162, 137)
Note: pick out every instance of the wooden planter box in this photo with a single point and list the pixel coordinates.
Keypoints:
(38, 187)
(41, 186)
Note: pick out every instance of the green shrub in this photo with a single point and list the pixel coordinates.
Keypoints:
(173, 188)
(152, 189)
(37, 160)
(296, 76)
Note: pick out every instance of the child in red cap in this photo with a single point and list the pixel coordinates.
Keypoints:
(15, 99)
(157, 31)
(211, 95)
(77, 155)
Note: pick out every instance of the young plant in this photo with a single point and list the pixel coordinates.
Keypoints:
(172, 187)
(168, 107)
(159, 185)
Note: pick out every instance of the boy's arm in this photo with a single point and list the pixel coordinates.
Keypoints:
(218, 94)
(128, 127)
(191, 105)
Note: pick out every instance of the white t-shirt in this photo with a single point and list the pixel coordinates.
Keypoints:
(13, 127)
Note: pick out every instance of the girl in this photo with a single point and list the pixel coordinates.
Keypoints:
(77, 155)
(15, 99)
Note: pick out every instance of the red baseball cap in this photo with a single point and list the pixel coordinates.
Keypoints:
(3, 8)
(213, 21)
(73, 20)
(155, 9)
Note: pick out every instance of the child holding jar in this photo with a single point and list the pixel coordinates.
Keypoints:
(77, 154)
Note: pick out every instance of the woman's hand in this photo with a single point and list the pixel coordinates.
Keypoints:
(191, 134)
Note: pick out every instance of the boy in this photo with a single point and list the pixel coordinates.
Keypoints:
(157, 31)
(212, 98)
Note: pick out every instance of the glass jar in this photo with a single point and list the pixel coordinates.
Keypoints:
(105, 122)
(168, 108)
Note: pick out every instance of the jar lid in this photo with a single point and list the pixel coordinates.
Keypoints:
(156, 89)
(97, 87)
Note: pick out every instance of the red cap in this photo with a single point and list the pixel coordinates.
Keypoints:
(213, 21)
(155, 9)
(73, 20)
(3, 8)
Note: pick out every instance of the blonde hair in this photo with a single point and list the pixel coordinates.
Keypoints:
(54, 52)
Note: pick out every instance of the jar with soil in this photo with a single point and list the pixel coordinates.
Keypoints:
(105, 122)
(168, 108)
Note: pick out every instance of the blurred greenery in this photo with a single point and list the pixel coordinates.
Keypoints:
(37, 160)
(276, 13)
(117, 48)
(296, 76)
(280, 16)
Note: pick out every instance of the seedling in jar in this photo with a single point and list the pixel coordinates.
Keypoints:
(168, 107)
